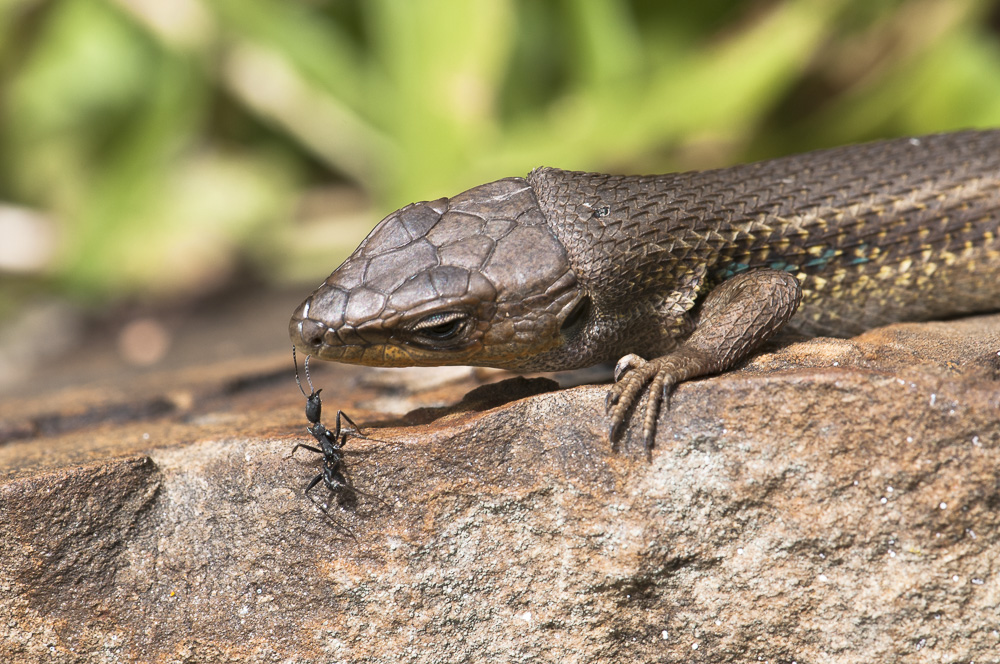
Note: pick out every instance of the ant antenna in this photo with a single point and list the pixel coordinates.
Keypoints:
(305, 368)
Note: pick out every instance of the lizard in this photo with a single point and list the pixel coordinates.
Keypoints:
(673, 276)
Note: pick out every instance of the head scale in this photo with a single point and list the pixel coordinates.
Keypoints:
(477, 279)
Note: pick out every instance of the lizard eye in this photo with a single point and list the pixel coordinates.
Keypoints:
(441, 327)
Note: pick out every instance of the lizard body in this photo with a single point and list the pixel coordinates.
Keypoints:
(674, 276)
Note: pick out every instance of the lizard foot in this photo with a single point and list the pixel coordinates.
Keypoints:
(632, 375)
(734, 319)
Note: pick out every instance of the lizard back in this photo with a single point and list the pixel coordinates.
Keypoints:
(897, 230)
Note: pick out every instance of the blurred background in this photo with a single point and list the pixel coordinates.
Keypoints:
(176, 176)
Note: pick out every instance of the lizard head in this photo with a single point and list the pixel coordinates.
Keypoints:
(475, 279)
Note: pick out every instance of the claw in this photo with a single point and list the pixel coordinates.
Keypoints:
(668, 390)
(613, 431)
(626, 364)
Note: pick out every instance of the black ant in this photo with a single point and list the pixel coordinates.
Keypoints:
(331, 443)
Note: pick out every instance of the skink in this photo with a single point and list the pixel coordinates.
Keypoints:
(672, 276)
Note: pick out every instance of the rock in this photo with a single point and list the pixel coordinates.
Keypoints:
(832, 501)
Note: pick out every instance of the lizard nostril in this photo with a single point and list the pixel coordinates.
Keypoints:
(311, 333)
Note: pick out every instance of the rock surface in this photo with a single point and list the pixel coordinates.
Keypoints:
(832, 501)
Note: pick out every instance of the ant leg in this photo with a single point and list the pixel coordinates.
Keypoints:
(308, 447)
(313, 483)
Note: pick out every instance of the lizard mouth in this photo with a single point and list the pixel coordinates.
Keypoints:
(309, 336)
(316, 338)
(322, 341)
(371, 347)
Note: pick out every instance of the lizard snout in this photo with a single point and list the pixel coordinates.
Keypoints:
(307, 333)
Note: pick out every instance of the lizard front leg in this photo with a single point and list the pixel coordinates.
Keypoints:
(735, 318)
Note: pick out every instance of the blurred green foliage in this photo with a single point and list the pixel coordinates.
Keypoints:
(173, 141)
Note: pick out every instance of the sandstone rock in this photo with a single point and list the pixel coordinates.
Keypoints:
(832, 501)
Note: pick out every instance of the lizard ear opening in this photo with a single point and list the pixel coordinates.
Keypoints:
(576, 318)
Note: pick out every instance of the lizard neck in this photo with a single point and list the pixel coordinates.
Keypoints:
(632, 257)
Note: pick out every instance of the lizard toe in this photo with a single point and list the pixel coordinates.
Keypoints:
(623, 370)
(659, 392)
(626, 391)
(626, 364)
